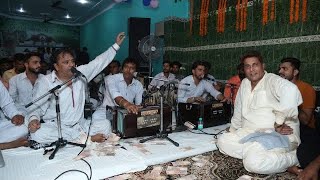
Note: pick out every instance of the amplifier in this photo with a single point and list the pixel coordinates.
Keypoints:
(145, 123)
(212, 113)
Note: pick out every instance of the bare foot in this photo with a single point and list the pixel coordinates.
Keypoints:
(98, 138)
(294, 170)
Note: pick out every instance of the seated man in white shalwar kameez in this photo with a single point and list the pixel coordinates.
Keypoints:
(13, 131)
(122, 90)
(265, 103)
(72, 99)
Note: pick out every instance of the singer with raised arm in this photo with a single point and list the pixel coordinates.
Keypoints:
(122, 90)
(265, 103)
(193, 86)
(72, 98)
(162, 78)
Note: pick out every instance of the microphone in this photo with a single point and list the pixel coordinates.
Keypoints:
(76, 72)
(137, 74)
(211, 79)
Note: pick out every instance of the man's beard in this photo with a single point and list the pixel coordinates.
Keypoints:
(34, 71)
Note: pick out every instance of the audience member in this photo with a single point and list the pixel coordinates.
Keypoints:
(21, 86)
(265, 103)
(13, 132)
(18, 67)
(233, 84)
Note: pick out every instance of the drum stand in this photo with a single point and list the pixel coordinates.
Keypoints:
(162, 134)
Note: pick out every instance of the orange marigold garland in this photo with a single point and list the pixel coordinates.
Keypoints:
(304, 10)
(245, 15)
(291, 16)
(191, 15)
(296, 14)
(272, 15)
(238, 15)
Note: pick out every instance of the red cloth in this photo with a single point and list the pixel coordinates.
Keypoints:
(231, 88)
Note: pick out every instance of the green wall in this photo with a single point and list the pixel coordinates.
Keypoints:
(223, 50)
(100, 33)
(17, 35)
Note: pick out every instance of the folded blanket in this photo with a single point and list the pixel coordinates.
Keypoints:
(267, 140)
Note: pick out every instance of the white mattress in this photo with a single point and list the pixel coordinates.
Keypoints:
(27, 164)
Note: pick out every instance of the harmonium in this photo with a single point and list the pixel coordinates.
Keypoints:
(145, 123)
(213, 113)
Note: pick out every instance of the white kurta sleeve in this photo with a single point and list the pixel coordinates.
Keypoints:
(289, 99)
(6, 103)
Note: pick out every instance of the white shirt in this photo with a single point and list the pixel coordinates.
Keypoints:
(187, 89)
(71, 100)
(6, 103)
(160, 79)
(21, 89)
(117, 86)
(274, 99)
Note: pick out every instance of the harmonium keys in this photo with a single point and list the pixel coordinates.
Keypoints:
(145, 123)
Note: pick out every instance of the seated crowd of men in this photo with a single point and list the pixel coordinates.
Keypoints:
(273, 128)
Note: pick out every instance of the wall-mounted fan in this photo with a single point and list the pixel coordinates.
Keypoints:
(151, 48)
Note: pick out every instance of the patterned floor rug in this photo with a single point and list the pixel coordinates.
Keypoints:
(210, 165)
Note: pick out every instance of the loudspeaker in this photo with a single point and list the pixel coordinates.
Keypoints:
(138, 29)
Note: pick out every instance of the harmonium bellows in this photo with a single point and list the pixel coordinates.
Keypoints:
(145, 123)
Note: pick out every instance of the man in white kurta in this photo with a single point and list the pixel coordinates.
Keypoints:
(71, 98)
(13, 129)
(21, 86)
(162, 78)
(193, 86)
(265, 102)
(116, 86)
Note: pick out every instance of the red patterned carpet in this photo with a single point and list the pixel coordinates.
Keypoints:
(211, 165)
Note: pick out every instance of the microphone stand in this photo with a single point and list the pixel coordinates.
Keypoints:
(162, 134)
(60, 142)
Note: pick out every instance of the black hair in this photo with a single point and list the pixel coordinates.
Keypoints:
(116, 62)
(250, 54)
(62, 51)
(18, 57)
(294, 62)
(197, 63)
(177, 63)
(29, 55)
(130, 60)
(207, 65)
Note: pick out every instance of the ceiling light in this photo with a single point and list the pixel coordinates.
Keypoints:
(21, 9)
(67, 16)
(83, 1)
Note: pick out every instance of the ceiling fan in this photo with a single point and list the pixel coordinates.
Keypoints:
(57, 5)
(46, 17)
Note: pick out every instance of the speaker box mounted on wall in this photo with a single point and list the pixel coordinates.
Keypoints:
(138, 29)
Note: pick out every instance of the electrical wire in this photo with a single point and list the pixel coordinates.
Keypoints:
(76, 170)
(215, 135)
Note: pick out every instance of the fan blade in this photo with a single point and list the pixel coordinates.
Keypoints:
(56, 4)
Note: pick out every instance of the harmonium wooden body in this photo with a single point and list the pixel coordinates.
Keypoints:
(145, 123)
(213, 113)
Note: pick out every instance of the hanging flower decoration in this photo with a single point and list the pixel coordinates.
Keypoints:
(154, 4)
(146, 2)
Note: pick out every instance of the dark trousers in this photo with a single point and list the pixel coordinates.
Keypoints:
(309, 149)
